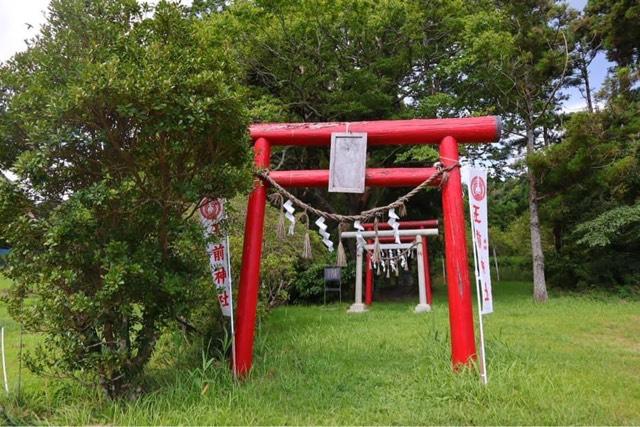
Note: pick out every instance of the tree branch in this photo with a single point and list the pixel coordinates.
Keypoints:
(560, 82)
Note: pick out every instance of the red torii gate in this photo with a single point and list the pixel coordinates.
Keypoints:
(445, 132)
(431, 223)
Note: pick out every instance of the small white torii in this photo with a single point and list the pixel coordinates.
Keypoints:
(358, 306)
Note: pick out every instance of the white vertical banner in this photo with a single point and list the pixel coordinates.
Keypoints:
(476, 181)
(211, 215)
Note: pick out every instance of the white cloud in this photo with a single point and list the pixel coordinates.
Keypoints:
(14, 17)
(581, 105)
(574, 105)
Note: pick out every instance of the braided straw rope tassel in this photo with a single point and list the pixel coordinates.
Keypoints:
(277, 199)
(341, 257)
(306, 248)
(377, 256)
(402, 210)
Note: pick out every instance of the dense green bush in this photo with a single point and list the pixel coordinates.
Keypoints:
(309, 282)
(284, 274)
(116, 120)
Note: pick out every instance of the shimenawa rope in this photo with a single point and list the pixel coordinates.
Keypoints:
(364, 215)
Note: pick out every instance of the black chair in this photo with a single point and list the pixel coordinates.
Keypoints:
(332, 277)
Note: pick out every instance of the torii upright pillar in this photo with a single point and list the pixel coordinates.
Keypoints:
(463, 344)
(427, 269)
(249, 287)
(368, 295)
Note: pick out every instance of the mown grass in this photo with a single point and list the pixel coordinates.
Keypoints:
(574, 360)
(12, 332)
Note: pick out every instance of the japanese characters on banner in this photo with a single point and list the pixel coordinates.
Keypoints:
(476, 181)
(211, 215)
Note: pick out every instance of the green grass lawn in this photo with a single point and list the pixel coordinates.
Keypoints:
(575, 360)
(12, 346)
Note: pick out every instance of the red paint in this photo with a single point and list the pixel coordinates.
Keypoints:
(463, 346)
(389, 177)
(427, 268)
(250, 270)
(381, 132)
(368, 295)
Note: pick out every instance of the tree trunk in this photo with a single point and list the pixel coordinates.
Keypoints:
(557, 238)
(584, 70)
(539, 282)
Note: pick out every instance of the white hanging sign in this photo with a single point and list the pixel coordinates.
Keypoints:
(211, 214)
(347, 162)
(476, 181)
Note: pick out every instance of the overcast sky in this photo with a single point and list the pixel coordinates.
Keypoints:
(20, 20)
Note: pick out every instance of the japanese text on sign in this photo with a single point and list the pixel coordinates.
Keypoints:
(211, 215)
(476, 181)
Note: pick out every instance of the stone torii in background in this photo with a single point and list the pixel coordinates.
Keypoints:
(431, 223)
(415, 239)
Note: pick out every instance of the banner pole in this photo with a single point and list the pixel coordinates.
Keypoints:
(233, 329)
(20, 364)
(495, 261)
(483, 362)
(4, 362)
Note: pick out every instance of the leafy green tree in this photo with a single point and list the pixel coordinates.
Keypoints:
(589, 181)
(587, 43)
(519, 64)
(325, 61)
(591, 197)
(116, 120)
(616, 23)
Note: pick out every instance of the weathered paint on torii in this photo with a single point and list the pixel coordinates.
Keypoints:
(445, 132)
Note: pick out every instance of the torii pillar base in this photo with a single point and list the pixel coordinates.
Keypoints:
(422, 308)
(357, 307)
